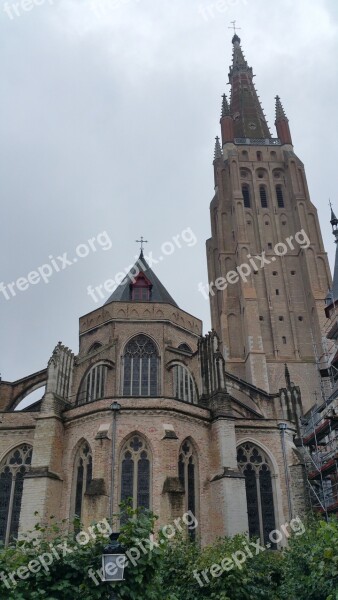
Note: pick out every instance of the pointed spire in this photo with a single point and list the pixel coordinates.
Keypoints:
(225, 107)
(280, 112)
(334, 220)
(282, 123)
(245, 107)
(218, 149)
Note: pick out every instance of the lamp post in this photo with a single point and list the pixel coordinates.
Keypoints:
(115, 407)
(113, 562)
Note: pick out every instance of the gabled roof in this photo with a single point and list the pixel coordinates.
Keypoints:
(158, 291)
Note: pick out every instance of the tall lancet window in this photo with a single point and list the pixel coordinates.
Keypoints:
(184, 385)
(255, 465)
(12, 471)
(83, 473)
(93, 386)
(136, 473)
(140, 377)
(188, 476)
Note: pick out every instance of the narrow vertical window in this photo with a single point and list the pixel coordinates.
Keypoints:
(82, 478)
(263, 196)
(93, 386)
(184, 385)
(140, 376)
(135, 473)
(254, 464)
(246, 196)
(280, 197)
(187, 473)
(12, 472)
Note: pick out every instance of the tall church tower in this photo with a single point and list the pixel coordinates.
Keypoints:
(266, 310)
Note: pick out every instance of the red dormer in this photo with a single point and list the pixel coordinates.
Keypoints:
(140, 289)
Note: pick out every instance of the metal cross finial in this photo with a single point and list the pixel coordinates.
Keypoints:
(233, 26)
(330, 203)
(141, 241)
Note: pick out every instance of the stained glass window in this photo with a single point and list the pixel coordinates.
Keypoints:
(187, 467)
(255, 465)
(184, 385)
(135, 473)
(82, 477)
(12, 472)
(140, 367)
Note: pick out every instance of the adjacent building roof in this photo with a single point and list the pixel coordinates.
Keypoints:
(158, 291)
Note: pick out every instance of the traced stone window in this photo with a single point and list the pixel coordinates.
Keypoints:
(246, 196)
(263, 196)
(93, 386)
(83, 473)
(140, 377)
(187, 473)
(135, 473)
(255, 465)
(184, 385)
(280, 197)
(141, 288)
(12, 471)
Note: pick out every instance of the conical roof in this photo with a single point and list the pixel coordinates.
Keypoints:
(158, 291)
(245, 107)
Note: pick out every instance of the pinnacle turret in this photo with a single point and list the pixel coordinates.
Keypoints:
(225, 107)
(218, 149)
(280, 112)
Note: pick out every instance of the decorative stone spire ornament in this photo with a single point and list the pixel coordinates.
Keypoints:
(282, 123)
(225, 107)
(218, 149)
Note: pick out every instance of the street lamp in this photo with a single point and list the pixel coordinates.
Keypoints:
(113, 561)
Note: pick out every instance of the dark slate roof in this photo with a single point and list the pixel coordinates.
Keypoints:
(158, 291)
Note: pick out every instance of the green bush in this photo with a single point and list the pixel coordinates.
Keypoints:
(173, 570)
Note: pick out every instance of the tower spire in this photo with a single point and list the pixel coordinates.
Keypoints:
(245, 107)
(282, 123)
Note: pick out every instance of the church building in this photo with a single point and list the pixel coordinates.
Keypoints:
(152, 410)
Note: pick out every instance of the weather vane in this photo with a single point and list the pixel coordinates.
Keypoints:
(233, 26)
(141, 241)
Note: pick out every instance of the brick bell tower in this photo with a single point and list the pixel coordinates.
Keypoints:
(270, 311)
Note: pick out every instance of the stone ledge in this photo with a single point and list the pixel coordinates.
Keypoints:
(228, 474)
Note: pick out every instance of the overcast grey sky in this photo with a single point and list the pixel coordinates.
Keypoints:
(108, 118)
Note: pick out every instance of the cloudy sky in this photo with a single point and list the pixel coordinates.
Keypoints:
(109, 110)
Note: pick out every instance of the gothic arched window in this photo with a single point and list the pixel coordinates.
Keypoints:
(93, 386)
(255, 465)
(140, 377)
(135, 473)
(184, 385)
(12, 471)
(83, 473)
(187, 473)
